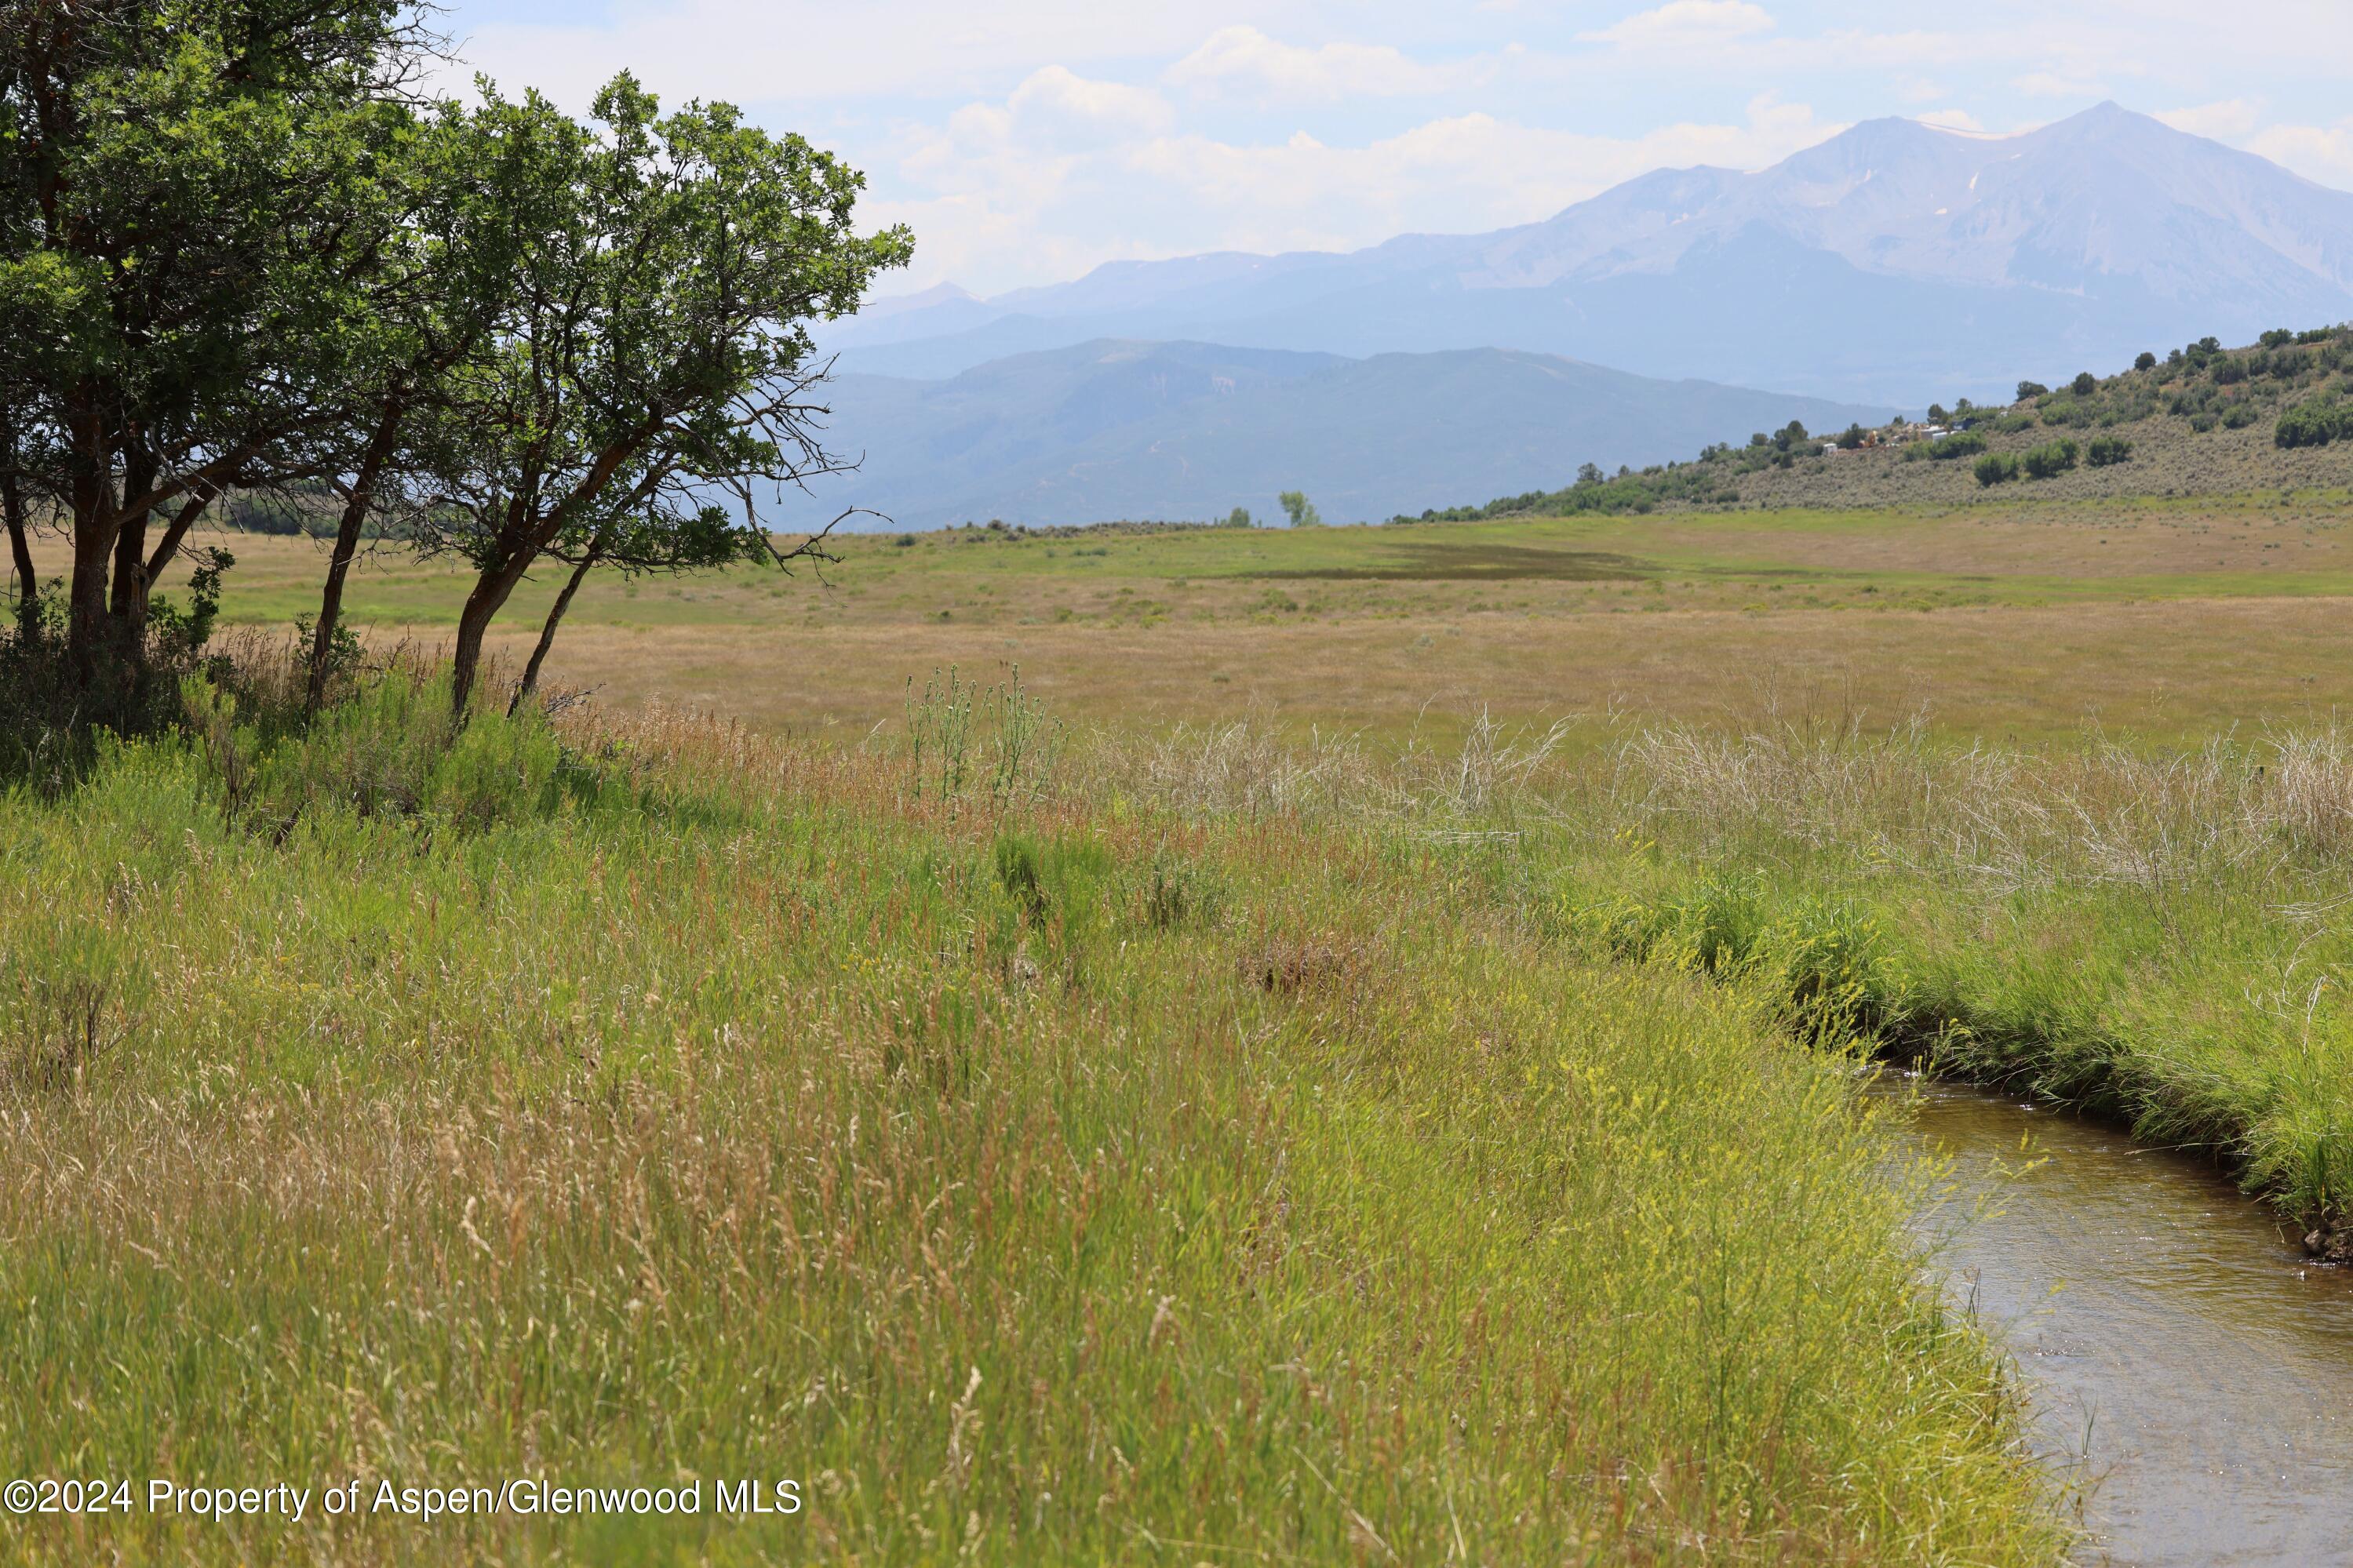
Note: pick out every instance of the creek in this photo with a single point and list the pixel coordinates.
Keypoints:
(2183, 1357)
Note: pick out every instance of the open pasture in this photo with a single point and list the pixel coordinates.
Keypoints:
(2158, 620)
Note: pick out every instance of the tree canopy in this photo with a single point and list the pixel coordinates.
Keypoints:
(239, 248)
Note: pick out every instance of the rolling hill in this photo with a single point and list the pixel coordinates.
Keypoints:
(1183, 430)
(2202, 421)
(1895, 263)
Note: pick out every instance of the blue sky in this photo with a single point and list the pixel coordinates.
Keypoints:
(1030, 139)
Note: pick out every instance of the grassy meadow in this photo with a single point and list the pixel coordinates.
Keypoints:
(1351, 1058)
(2016, 618)
(1041, 1150)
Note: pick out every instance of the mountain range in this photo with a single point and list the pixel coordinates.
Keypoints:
(1897, 263)
(1118, 428)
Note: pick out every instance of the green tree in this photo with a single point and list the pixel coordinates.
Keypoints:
(1299, 509)
(192, 216)
(2050, 460)
(2084, 384)
(469, 182)
(1996, 468)
(1239, 517)
(651, 377)
(2144, 360)
(2029, 389)
(2316, 422)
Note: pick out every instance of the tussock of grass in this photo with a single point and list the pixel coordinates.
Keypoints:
(1109, 1178)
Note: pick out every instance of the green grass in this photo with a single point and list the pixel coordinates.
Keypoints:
(2025, 619)
(2158, 941)
(2014, 549)
(1146, 1163)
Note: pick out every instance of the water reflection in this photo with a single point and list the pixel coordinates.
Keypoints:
(2175, 1336)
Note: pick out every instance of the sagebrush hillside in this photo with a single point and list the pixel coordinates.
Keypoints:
(2201, 420)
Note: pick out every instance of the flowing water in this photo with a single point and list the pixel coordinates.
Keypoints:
(2177, 1343)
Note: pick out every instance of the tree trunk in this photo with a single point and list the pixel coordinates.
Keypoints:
(547, 632)
(20, 551)
(357, 506)
(88, 629)
(525, 536)
(135, 613)
(483, 605)
(127, 597)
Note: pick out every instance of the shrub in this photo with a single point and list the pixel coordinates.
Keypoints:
(2051, 459)
(1960, 444)
(2314, 423)
(1997, 468)
(2107, 451)
(2027, 389)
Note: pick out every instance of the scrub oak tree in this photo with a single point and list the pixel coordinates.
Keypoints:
(651, 378)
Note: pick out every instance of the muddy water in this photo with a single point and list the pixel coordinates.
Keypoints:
(2182, 1354)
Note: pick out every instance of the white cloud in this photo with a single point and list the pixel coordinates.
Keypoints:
(1057, 105)
(1681, 24)
(1029, 140)
(1006, 198)
(2231, 117)
(758, 51)
(1457, 173)
(1243, 60)
(2319, 153)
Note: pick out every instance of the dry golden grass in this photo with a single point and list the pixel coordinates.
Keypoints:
(2030, 618)
(2166, 670)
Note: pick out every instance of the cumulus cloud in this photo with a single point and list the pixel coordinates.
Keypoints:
(1028, 141)
(1057, 105)
(999, 182)
(2229, 118)
(1681, 24)
(1458, 173)
(1241, 60)
(2322, 154)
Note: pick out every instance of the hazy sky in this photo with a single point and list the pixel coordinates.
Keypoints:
(1027, 141)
